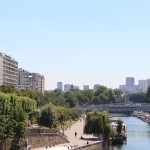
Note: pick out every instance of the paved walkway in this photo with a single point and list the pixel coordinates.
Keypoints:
(74, 141)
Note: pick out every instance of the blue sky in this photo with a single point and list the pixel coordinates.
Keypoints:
(78, 41)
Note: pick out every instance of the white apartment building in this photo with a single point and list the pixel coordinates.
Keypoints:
(37, 82)
(23, 79)
(8, 70)
(33, 81)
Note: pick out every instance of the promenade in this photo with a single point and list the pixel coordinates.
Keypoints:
(74, 142)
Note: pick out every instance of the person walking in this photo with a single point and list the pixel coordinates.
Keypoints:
(75, 134)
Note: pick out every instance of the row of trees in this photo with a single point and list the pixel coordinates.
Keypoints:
(68, 99)
(54, 116)
(148, 95)
(16, 111)
(140, 97)
(11, 101)
(79, 97)
(75, 98)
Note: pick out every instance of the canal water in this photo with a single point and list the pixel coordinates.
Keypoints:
(138, 135)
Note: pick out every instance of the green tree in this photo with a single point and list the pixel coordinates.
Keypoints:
(71, 99)
(19, 134)
(98, 123)
(76, 112)
(58, 101)
(100, 90)
(6, 129)
(96, 100)
(48, 116)
(13, 127)
(148, 95)
(8, 88)
(111, 95)
(57, 93)
(119, 127)
(19, 115)
(118, 93)
(34, 116)
(88, 96)
(108, 131)
(103, 98)
(137, 97)
(63, 115)
(81, 98)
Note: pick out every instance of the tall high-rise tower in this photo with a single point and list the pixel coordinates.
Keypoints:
(60, 85)
(130, 81)
(142, 85)
(85, 87)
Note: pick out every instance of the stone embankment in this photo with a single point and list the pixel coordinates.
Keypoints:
(36, 140)
(75, 142)
(46, 139)
(142, 115)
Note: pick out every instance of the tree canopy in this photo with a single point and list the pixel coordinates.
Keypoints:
(13, 126)
(137, 97)
(148, 95)
(98, 123)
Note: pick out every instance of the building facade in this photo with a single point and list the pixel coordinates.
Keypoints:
(148, 83)
(142, 85)
(33, 81)
(85, 87)
(67, 87)
(60, 85)
(23, 79)
(8, 70)
(130, 81)
(96, 86)
(37, 82)
(130, 86)
(75, 87)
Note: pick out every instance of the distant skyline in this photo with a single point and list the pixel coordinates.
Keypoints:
(78, 42)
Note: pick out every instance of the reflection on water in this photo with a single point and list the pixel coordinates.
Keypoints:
(138, 135)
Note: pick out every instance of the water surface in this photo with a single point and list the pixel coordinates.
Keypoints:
(138, 135)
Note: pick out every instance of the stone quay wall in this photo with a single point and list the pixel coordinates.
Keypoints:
(46, 139)
(37, 140)
(90, 146)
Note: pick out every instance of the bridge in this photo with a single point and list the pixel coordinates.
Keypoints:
(120, 107)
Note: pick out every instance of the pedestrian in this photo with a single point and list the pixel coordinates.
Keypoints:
(75, 134)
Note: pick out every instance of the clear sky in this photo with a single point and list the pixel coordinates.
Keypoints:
(78, 41)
